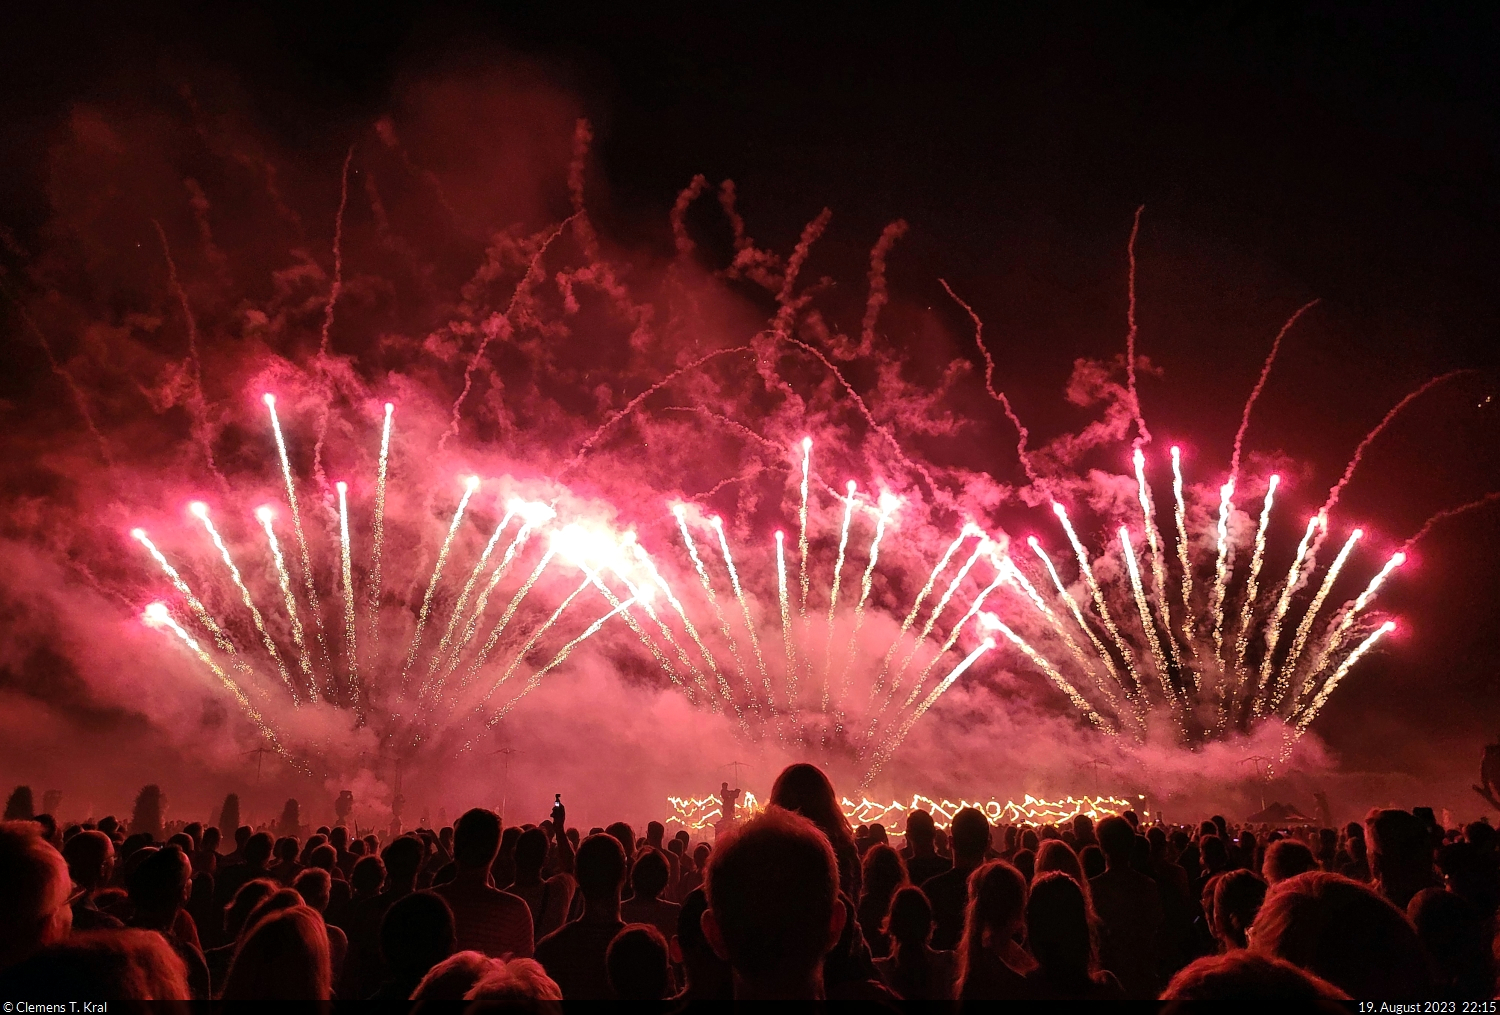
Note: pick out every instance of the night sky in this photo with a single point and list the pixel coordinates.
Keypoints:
(1346, 152)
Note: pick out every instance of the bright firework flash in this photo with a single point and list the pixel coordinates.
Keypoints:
(1134, 687)
(1304, 629)
(1185, 587)
(348, 576)
(1283, 603)
(1158, 565)
(833, 595)
(307, 568)
(1252, 584)
(377, 528)
(1316, 705)
(470, 485)
(1158, 658)
(267, 517)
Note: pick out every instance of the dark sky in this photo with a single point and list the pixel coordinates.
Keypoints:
(1348, 152)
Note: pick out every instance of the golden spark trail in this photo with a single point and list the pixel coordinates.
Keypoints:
(510, 611)
(1252, 585)
(1275, 693)
(471, 628)
(156, 614)
(559, 659)
(1335, 640)
(739, 593)
(194, 603)
(708, 590)
(642, 598)
(833, 596)
(307, 572)
(802, 525)
(1042, 663)
(1221, 569)
(201, 510)
(952, 639)
(916, 607)
(932, 619)
(1067, 597)
(1024, 583)
(724, 689)
(1098, 596)
(1185, 561)
(866, 582)
(1289, 668)
(1158, 565)
(284, 577)
(1147, 624)
(786, 621)
(630, 622)
(1348, 664)
(437, 573)
(895, 741)
(463, 600)
(536, 636)
(350, 622)
(379, 525)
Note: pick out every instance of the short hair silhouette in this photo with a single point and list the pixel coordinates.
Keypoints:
(1344, 932)
(403, 858)
(1286, 858)
(284, 957)
(1117, 839)
(454, 977)
(772, 887)
(1456, 936)
(531, 851)
(88, 854)
(599, 866)
(368, 874)
(121, 965)
(257, 851)
(313, 884)
(1249, 976)
(969, 834)
(476, 838)
(416, 934)
(625, 835)
(159, 884)
(920, 828)
(639, 964)
(649, 874)
(518, 980)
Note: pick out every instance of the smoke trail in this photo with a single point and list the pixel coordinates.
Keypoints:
(1189, 623)
(284, 577)
(1144, 435)
(1158, 565)
(680, 238)
(1289, 667)
(788, 307)
(348, 572)
(1260, 384)
(307, 572)
(201, 510)
(197, 403)
(1252, 585)
(833, 597)
(79, 401)
(1022, 435)
(878, 292)
(334, 291)
(379, 525)
(437, 573)
(1273, 629)
(1447, 513)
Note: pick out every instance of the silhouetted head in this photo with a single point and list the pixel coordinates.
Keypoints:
(1025, 862)
(704, 968)
(403, 858)
(969, 833)
(920, 829)
(1456, 936)
(454, 977)
(1092, 861)
(773, 897)
(882, 872)
(257, 849)
(520, 983)
(368, 875)
(805, 790)
(283, 957)
(1215, 855)
(1343, 932)
(655, 833)
(996, 912)
(476, 839)
(1117, 839)
(1249, 976)
(122, 965)
(649, 874)
(313, 884)
(531, 852)
(625, 835)
(599, 867)
(286, 849)
(325, 857)
(1237, 898)
(159, 887)
(34, 890)
(1056, 855)
(637, 962)
(250, 895)
(90, 857)
(416, 934)
(1286, 858)
(1059, 928)
(909, 922)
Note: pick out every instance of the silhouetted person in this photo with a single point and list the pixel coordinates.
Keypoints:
(158, 889)
(255, 856)
(920, 854)
(637, 962)
(284, 957)
(773, 906)
(34, 891)
(1400, 855)
(1286, 858)
(416, 934)
(361, 974)
(547, 899)
(1060, 933)
(522, 984)
(1344, 932)
(1248, 976)
(692, 878)
(236, 915)
(1091, 859)
(124, 966)
(313, 884)
(1236, 899)
(992, 962)
(1057, 855)
(708, 975)
(1456, 936)
(454, 977)
(91, 859)
(804, 788)
(485, 919)
(1129, 909)
(882, 875)
(949, 892)
(915, 970)
(626, 836)
(1083, 831)
(574, 954)
(648, 879)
